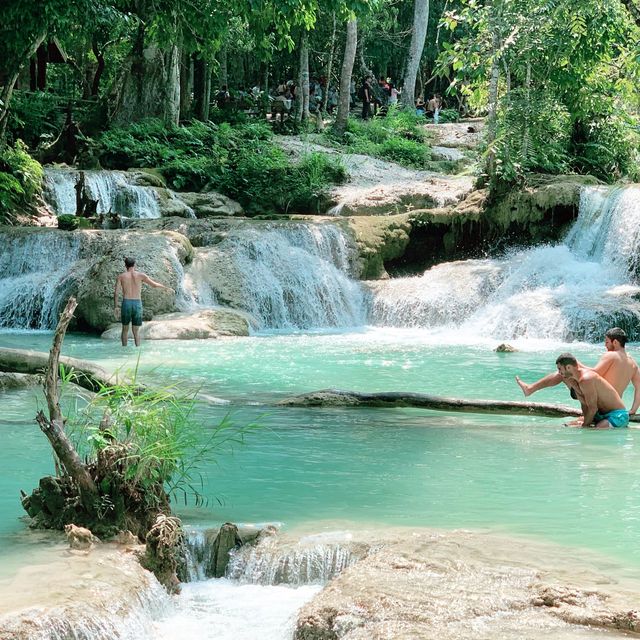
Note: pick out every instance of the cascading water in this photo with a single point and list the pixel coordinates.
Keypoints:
(37, 272)
(286, 277)
(111, 189)
(573, 290)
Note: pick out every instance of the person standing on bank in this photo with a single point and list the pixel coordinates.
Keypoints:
(131, 310)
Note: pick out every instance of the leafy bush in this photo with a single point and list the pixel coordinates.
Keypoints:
(240, 161)
(397, 137)
(533, 136)
(20, 180)
(606, 146)
(33, 115)
(449, 115)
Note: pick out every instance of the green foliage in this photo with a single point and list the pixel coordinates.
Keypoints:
(33, 115)
(145, 442)
(20, 180)
(240, 161)
(449, 115)
(606, 146)
(396, 137)
(534, 137)
(68, 222)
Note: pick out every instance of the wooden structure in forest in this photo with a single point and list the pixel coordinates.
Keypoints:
(48, 52)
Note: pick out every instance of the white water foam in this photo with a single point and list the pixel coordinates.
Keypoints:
(573, 290)
(219, 609)
(111, 189)
(36, 276)
(293, 277)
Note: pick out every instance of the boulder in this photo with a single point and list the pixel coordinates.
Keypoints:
(161, 255)
(543, 200)
(505, 348)
(207, 323)
(146, 178)
(211, 204)
(172, 206)
(9, 380)
(378, 240)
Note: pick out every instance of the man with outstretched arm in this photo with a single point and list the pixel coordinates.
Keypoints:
(131, 310)
(616, 366)
(602, 406)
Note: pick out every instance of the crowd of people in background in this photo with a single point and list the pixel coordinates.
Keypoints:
(375, 96)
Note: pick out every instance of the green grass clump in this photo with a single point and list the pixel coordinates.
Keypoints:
(397, 137)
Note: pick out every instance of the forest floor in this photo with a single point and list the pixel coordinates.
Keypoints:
(381, 187)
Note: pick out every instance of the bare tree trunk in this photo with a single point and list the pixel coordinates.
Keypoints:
(527, 114)
(302, 112)
(186, 82)
(337, 398)
(53, 428)
(329, 71)
(345, 76)
(10, 83)
(201, 89)
(95, 84)
(223, 75)
(418, 35)
(492, 118)
(172, 104)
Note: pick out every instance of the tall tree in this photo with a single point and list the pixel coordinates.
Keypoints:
(351, 44)
(418, 36)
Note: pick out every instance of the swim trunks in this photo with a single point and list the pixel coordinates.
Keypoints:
(131, 312)
(617, 418)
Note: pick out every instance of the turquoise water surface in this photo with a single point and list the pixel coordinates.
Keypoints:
(315, 467)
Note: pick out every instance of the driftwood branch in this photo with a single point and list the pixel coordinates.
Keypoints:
(53, 427)
(337, 398)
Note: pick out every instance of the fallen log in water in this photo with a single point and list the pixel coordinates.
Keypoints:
(337, 398)
(87, 374)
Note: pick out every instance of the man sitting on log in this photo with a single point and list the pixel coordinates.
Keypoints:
(602, 406)
(616, 366)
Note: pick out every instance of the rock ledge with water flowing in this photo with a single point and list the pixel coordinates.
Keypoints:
(466, 585)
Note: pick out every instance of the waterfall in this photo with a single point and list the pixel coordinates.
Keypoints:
(271, 559)
(287, 277)
(305, 563)
(573, 290)
(38, 270)
(111, 189)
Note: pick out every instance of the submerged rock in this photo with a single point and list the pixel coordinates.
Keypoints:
(505, 348)
(18, 380)
(207, 323)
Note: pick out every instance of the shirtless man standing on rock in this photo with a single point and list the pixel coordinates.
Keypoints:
(602, 406)
(131, 310)
(615, 366)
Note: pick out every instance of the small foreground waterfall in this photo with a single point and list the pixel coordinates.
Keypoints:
(36, 277)
(570, 291)
(111, 189)
(287, 277)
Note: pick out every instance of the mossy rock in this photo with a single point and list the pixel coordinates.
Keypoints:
(68, 222)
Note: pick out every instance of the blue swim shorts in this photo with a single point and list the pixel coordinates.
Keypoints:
(617, 418)
(131, 312)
